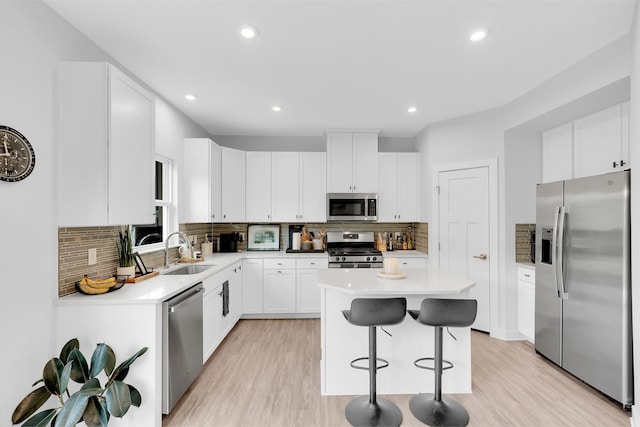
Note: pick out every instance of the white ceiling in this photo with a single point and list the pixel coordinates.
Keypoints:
(344, 64)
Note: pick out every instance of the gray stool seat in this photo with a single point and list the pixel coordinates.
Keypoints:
(372, 312)
(432, 408)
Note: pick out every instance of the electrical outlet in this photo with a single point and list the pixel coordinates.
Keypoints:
(193, 239)
(241, 237)
(93, 256)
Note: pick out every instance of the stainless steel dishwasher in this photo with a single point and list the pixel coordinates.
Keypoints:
(181, 344)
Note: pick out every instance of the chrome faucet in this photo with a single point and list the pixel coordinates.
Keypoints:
(166, 245)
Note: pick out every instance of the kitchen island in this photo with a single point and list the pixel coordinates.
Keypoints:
(342, 342)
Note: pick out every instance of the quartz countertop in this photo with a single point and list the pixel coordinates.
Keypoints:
(417, 281)
(404, 254)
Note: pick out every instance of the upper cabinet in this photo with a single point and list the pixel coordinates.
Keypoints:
(352, 162)
(200, 186)
(233, 185)
(298, 187)
(398, 187)
(258, 186)
(106, 147)
(592, 145)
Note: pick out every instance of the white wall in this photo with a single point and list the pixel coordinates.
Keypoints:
(32, 41)
(303, 143)
(486, 135)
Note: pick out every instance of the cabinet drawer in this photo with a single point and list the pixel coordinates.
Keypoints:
(312, 262)
(527, 274)
(412, 262)
(279, 263)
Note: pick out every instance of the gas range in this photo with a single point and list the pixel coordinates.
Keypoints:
(353, 250)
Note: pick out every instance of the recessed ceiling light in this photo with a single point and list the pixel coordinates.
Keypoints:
(412, 109)
(276, 108)
(190, 97)
(479, 34)
(248, 32)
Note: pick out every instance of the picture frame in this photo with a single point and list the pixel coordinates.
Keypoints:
(263, 237)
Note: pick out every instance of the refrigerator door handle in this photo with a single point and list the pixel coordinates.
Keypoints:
(559, 246)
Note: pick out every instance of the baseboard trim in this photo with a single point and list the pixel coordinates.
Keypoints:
(633, 421)
(507, 335)
(282, 316)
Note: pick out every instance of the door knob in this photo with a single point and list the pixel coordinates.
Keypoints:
(481, 256)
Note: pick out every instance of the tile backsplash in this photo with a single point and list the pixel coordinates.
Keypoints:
(74, 243)
(523, 242)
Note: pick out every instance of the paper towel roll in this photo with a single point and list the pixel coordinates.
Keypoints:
(296, 241)
(206, 248)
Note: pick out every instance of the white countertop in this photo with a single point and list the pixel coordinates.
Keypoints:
(404, 254)
(418, 281)
(530, 265)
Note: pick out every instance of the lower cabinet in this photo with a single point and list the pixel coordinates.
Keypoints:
(219, 313)
(308, 292)
(526, 302)
(279, 286)
(409, 262)
(252, 286)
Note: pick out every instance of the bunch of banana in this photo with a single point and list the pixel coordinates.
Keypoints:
(94, 287)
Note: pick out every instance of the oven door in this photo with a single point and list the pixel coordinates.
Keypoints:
(351, 207)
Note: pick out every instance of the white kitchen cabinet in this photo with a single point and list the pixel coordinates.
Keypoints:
(200, 185)
(252, 286)
(352, 162)
(279, 285)
(308, 292)
(409, 262)
(211, 312)
(557, 153)
(398, 187)
(526, 302)
(107, 136)
(236, 293)
(298, 186)
(598, 142)
(258, 194)
(233, 169)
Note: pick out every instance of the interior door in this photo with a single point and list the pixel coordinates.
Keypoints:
(463, 209)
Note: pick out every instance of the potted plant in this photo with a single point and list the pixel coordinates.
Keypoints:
(126, 266)
(92, 403)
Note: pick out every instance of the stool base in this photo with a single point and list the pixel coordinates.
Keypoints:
(445, 412)
(360, 412)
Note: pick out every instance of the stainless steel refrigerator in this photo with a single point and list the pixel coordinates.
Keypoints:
(583, 284)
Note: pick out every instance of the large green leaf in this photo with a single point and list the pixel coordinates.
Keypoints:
(66, 349)
(136, 397)
(79, 370)
(92, 387)
(64, 377)
(120, 374)
(41, 419)
(98, 360)
(110, 362)
(72, 410)
(51, 376)
(95, 415)
(30, 404)
(117, 373)
(118, 398)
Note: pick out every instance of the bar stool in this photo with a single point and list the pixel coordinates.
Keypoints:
(433, 409)
(372, 312)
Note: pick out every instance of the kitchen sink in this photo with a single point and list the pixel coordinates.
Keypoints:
(189, 269)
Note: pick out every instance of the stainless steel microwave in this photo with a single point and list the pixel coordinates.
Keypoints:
(352, 207)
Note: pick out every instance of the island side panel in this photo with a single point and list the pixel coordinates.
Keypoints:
(343, 342)
(126, 328)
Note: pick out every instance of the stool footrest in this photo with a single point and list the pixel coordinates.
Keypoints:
(366, 368)
(445, 364)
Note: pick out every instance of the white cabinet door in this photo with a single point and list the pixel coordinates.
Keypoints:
(409, 262)
(387, 187)
(308, 293)
(625, 161)
(236, 293)
(258, 193)
(598, 142)
(557, 153)
(233, 185)
(526, 302)
(200, 183)
(107, 132)
(279, 291)
(408, 187)
(313, 191)
(365, 163)
(285, 176)
(211, 312)
(340, 162)
(252, 286)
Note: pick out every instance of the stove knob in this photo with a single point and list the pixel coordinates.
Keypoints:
(344, 258)
(374, 258)
(369, 258)
(337, 258)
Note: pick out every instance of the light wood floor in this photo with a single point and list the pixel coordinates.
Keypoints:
(267, 373)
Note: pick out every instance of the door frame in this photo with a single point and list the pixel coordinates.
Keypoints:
(434, 232)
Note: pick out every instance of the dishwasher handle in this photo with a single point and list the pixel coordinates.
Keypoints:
(184, 301)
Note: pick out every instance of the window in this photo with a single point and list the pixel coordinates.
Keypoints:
(151, 236)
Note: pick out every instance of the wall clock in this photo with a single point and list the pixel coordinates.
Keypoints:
(17, 158)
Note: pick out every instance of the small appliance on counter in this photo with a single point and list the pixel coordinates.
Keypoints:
(296, 245)
(229, 242)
